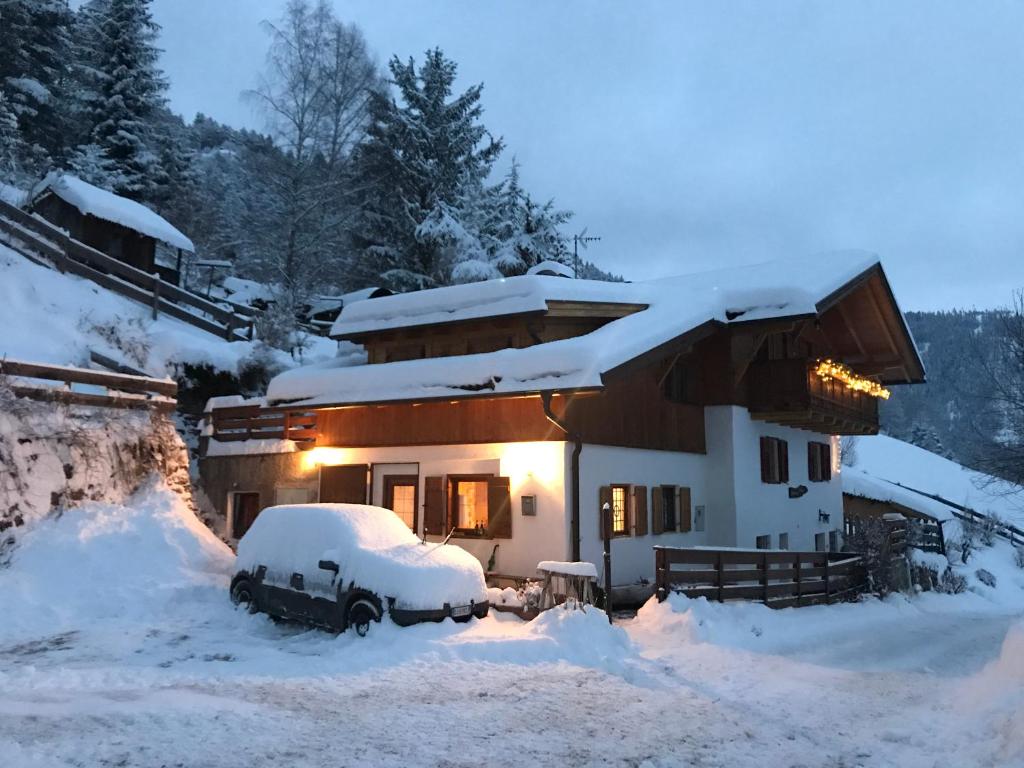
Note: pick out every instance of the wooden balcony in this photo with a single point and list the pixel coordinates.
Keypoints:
(788, 392)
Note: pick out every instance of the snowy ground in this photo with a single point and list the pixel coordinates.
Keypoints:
(118, 647)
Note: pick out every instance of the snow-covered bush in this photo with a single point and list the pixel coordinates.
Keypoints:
(951, 582)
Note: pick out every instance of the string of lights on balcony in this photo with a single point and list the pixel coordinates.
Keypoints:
(829, 370)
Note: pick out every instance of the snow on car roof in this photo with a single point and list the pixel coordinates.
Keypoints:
(674, 306)
(373, 548)
(93, 201)
(888, 469)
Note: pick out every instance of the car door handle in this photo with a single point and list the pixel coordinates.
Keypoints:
(298, 582)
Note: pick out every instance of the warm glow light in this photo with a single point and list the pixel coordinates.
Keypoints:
(542, 461)
(326, 457)
(829, 370)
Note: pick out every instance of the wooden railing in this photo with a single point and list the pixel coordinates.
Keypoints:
(122, 391)
(1000, 528)
(44, 243)
(918, 533)
(777, 579)
(253, 422)
(789, 391)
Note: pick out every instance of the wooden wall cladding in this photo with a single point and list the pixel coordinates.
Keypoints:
(631, 413)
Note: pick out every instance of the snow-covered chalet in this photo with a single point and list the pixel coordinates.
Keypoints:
(704, 409)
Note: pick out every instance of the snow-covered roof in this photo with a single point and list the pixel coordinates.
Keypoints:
(674, 306)
(888, 469)
(553, 268)
(93, 201)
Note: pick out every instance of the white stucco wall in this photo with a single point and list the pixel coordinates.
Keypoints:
(532, 468)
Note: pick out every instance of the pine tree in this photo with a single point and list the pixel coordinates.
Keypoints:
(123, 89)
(424, 168)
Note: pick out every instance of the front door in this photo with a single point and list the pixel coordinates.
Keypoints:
(244, 509)
(345, 484)
(400, 492)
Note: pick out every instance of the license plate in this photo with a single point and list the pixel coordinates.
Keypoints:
(462, 610)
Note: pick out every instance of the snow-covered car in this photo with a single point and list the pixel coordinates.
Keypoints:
(346, 565)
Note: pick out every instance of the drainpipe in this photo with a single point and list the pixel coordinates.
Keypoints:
(574, 520)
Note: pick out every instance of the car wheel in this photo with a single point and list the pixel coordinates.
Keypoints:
(242, 595)
(360, 615)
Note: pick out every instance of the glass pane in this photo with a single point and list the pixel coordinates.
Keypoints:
(618, 509)
(471, 503)
(403, 502)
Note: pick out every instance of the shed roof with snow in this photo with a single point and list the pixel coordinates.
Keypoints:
(91, 200)
(665, 315)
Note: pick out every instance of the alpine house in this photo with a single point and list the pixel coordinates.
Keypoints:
(704, 409)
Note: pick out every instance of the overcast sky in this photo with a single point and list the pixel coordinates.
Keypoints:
(691, 135)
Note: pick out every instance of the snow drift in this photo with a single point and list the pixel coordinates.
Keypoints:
(373, 548)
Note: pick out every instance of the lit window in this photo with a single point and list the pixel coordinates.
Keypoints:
(618, 509)
(470, 498)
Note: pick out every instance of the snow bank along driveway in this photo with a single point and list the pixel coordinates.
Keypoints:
(118, 647)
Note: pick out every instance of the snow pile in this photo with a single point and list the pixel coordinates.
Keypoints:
(673, 306)
(995, 697)
(373, 547)
(105, 205)
(109, 561)
(883, 463)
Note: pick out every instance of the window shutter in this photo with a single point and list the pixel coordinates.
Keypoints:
(657, 510)
(766, 460)
(783, 448)
(639, 510)
(813, 457)
(826, 461)
(433, 506)
(683, 512)
(499, 508)
(604, 497)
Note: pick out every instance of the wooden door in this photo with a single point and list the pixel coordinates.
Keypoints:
(245, 507)
(401, 496)
(345, 484)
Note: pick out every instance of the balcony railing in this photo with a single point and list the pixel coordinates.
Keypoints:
(789, 392)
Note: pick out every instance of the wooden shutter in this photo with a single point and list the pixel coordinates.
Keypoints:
(657, 510)
(345, 484)
(604, 496)
(766, 460)
(499, 508)
(783, 448)
(683, 512)
(826, 461)
(639, 510)
(813, 458)
(433, 506)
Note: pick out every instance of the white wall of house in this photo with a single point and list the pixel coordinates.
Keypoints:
(534, 469)
(633, 556)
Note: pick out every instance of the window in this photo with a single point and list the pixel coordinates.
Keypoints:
(620, 494)
(774, 460)
(469, 504)
(821, 542)
(400, 492)
(819, 462)
(783, 541)
(668, 507)
(245, 507)
(764, 542)
(833, 541)
(478, 505)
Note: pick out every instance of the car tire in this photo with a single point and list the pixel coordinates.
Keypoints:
(242, 594)
(360, 614)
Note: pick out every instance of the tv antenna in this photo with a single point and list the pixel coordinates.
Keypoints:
(581, 239)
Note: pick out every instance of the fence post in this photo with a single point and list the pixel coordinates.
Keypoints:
(764, 576)
(660, 580)
(156, 295)
(828, 585)
(798, 577)
(718, 573)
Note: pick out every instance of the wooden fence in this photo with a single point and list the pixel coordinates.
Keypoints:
(253, 422)
(121, 391)
(46, 244)
(919, 533)
(777, 579)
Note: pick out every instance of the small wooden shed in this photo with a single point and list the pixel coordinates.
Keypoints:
(122, 228)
